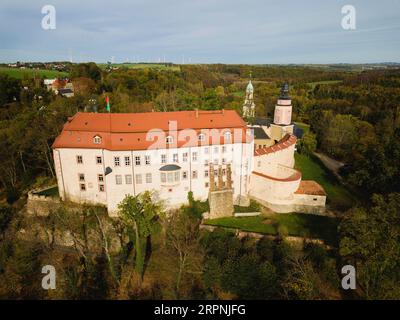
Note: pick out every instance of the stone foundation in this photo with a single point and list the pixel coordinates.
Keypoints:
(221, 203)
(41, 205)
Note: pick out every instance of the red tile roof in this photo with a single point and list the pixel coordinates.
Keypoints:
(287, 141)
(311, 187)
(294, 177)
(128, 131)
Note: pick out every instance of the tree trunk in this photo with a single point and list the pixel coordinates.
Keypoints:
(139, 255)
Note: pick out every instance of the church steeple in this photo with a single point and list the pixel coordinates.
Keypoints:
(249, 106)
(285, 92)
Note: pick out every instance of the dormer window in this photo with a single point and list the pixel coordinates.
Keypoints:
(169, 139)
(96, 139)
(202, 137)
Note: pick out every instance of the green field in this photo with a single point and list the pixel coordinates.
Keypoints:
(312, 169)
(159, 66)
(313, 84)
(303, 126)
(29, 73)
(296, 224)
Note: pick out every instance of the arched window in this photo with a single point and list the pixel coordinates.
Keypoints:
(96, 139)
(169, 139)
(227, 135)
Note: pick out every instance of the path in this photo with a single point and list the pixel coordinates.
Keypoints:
(331, 164)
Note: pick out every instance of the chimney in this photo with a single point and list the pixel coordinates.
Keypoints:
(223, 111)
(197, 113)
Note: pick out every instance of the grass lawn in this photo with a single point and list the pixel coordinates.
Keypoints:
(303, 126)
(29, 73)
(312, 169)
(297, 224)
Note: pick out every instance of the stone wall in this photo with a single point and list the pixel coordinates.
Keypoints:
(221, 203)
(41, 205)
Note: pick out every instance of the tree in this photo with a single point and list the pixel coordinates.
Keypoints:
(140, 214)
(183, 236)
(370, 241)
(307, 143)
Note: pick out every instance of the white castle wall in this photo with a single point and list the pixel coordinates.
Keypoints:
(239, 155)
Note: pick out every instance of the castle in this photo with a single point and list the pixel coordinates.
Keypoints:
(101, 157)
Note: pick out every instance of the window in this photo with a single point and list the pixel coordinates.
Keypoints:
(116, 161)
(215, 172)
(206, 185)
(82, 186)
(185, 157)
(79, 159)
(138, 179)
(216, 149)
(147, 160)
(175, 157)
(148, 178)
(81, 177)
(227, 135)
(137, 160)
(127, 160)
(100, 178)
(194, 174)
(223, 149)
(118, 179)
(223, 172)
(202, 137)
(206, 150)
(128, 179)
(177, 176)
(169, 139)
(206, 162)
(184, 175)
(96, 139)
(163, 158)
(223, 161)
(194, 156)
(101, 187)
(258, 163)
(206, 174)
(163, 177)
(170, 177)
(99, 160)
(215, 161)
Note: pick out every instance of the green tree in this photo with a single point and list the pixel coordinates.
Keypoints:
(140, 214)
(307, 143)
(370, 241)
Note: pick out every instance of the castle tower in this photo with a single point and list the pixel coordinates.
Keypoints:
(249, 106)
(283, 115)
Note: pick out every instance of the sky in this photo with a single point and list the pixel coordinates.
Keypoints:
(201, 31)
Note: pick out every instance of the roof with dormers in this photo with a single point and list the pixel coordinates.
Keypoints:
(130, 131)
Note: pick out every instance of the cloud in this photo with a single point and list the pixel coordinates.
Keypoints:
(227, 31)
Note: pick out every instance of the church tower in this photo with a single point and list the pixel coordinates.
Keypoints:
(249, 106)
(283, 115)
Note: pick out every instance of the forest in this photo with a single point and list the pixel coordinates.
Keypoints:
(354, 117)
